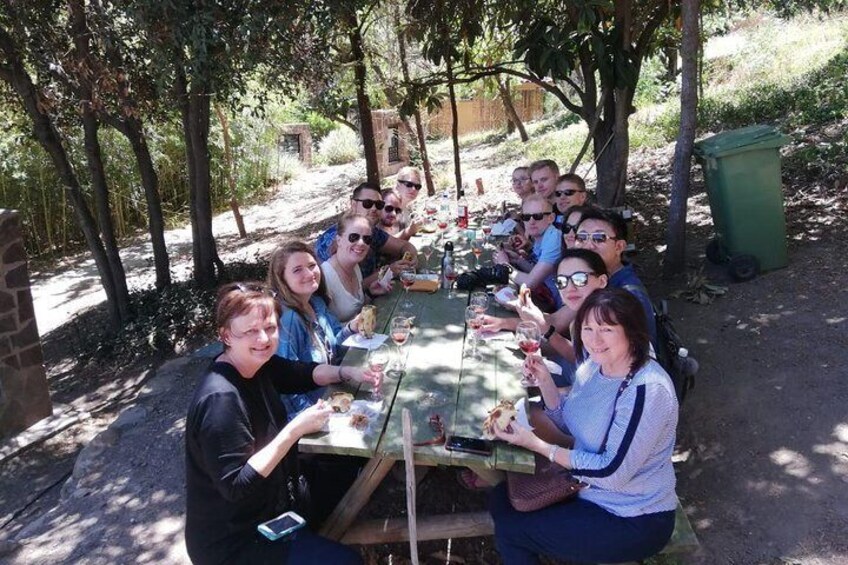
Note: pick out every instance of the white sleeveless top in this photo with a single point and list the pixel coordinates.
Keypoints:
(343, 304)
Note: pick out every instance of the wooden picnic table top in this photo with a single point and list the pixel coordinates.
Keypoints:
(438, 379)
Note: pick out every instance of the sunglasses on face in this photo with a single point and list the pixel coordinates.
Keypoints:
(353, 237)
(410, 184)
(578, 279)
(392, 209)
(566, 227)
(367, 203)
(538, 216)
(597, 237)
(567, 192)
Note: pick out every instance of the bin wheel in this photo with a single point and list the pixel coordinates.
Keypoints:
(715, 253)
(744, 267)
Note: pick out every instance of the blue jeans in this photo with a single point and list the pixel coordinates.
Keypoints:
(304, 547)
(575, 530)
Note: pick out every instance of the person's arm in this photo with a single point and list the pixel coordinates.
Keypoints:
(395, 248)
(536, 276)
(496, 324)
(308, 421)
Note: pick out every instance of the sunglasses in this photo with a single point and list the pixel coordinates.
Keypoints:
(248, 287)
(597, 237)
(367, 203)
(353, 237)
(567, 192)
(578, 279)
(392, 209)
(537, 217)
(566, 227)
(410, 184)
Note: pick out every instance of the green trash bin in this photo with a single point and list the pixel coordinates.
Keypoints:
(742, 174)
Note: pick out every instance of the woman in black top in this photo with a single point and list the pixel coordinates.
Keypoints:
(238, 445)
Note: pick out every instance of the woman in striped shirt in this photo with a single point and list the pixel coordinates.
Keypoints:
(622, 414)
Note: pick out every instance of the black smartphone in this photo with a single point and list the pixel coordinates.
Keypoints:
(469, 445)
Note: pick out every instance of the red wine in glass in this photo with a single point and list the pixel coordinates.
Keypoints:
(487, 229)
(450, 277)
(400, 338)
(443, 225)
(407, 282)
(529, 346)
(475, 324)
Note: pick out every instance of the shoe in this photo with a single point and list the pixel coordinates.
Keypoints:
(469, 480)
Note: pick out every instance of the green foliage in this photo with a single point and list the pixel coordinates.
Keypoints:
(338, 147)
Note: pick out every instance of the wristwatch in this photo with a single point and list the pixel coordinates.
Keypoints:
(550, 331)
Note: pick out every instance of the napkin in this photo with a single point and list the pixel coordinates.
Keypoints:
(496, 336)
(505, 227)
(521, 413)
(506, 296)
(358, 340)
(386, 280)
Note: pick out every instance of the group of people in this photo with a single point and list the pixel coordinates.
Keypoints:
(610, 418)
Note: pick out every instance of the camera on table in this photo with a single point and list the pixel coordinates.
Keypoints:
(482, 277)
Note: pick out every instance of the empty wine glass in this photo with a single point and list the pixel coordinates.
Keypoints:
(529, 337)
(399, 332)
(378, 360)
(479, 301)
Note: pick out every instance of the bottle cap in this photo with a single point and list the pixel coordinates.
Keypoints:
(449, 246)
(683, 352)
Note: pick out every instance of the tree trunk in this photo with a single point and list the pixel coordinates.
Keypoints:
(14, 73)
(611, 145)
(509, 108)
(457, 170)
(369, 144)
(419, 128)
(228, 159)
(675, 257)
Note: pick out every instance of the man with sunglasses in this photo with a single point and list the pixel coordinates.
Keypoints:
(605, 233)
(544, 175)
(368, 201)
(570, 191)
(538, 270)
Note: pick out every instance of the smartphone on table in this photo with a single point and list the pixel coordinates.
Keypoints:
(469, 445)
(281, 526)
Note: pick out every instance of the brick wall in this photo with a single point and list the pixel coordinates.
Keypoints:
(386, 122)
(24, 398)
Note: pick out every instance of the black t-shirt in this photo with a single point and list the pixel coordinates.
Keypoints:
(231, 418)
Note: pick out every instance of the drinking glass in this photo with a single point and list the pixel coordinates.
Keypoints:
(479, 301)
(477, 250)
(378, 360)
(407, 279)
(450, 275)
(529, 337)
(399, 332)
(474, 320)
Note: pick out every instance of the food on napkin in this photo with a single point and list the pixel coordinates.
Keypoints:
(359, 421)
(368, 320)
(340, 401)
(503, 415)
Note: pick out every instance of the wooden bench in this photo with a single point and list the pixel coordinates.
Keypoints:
(683, 541)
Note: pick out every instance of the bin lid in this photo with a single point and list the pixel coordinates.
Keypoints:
(739, 140)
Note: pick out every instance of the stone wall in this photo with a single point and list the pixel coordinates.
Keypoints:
(24, 398)
(304, 136)
(387, 124)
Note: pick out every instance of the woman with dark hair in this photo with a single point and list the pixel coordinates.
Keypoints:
(308, 330)
(241, 450)
(570, 220)
(622, 415)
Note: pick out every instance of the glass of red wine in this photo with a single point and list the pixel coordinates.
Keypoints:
(399, 332)
(450, 275)
(474, 320)
(529, 337)
(407, 279)
(479, 300)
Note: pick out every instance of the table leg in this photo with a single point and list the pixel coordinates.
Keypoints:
(356, 497)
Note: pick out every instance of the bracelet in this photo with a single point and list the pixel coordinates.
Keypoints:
(552, 453)
(549, 333)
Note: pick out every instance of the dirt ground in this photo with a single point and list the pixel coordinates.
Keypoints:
(763, 436)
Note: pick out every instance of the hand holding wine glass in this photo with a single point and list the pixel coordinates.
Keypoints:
(480, 301)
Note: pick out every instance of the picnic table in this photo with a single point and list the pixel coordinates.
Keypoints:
(438, 378)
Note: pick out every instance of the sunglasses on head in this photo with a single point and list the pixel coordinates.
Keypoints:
(392, 209)
(567, 192)
(367, 203)
(538, 216)
(248, 287)
(353, 237)
(578, 279)
(597, 237)
(410, 184)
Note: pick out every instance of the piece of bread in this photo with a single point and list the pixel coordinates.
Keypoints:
(524, 295)
(407, 257)
(358, 421)
(340, 401)
(368, 320)
(501, 415)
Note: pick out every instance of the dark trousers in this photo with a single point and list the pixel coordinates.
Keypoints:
(575, 530)
(302, 548)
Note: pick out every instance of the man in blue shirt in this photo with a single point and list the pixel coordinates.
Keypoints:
(605, 233)
(368, 201)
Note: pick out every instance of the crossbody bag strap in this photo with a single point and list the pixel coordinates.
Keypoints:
(624, 384)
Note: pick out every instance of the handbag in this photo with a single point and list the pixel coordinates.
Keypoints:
(551, 483)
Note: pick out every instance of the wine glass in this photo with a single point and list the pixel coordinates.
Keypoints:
(427, 250)
(407, 279)
(399, 332)
(529, 337)
(477, 250)
(450, 275)
(378, 360)
(479, 301)
(474, 320)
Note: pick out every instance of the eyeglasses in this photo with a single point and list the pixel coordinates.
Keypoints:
(353, 237)
(597, 237)
(392, 209)
(578, 279)
(566, 227)
(248, 287)
(538, 216)
(410, 184)
(520, 181)
(567, 192)
(367, 203)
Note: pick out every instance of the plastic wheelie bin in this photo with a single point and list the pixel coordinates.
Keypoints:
(742, 175)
